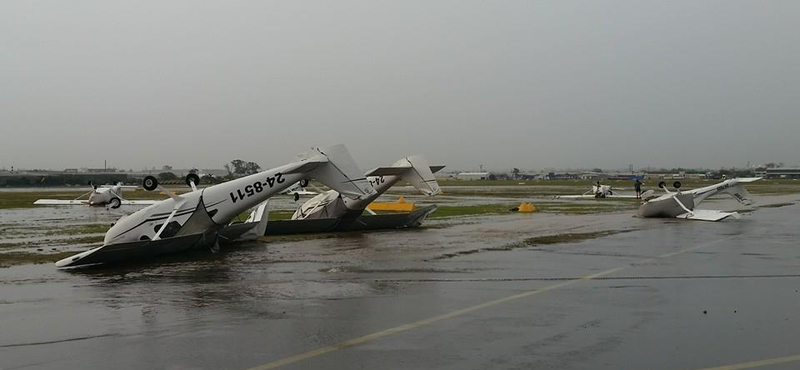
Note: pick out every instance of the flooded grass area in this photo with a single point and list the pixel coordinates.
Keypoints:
(26, 258)
(37, 234)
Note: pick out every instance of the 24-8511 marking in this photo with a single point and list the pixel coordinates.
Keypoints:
(257, 187)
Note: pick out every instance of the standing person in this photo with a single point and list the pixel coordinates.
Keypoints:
(638, 186)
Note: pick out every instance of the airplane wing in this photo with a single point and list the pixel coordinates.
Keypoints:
(61, 202)
(707, 215)
(582, 196)
(592, 196)
(127, 202)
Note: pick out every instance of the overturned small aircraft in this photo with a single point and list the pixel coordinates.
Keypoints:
(598, 191)
(330, 211)
(683, 204)
(105, 195)
(193, 220)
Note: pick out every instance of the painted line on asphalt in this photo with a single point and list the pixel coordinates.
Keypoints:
(755, 364)
(416, 324)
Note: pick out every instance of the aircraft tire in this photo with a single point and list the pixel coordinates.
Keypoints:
(676, 184)
(662, 184)
(150, 183)
(114, 203)
(192, 178)
(303, 183)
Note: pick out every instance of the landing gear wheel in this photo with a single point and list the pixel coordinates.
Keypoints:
(676, 184)
(303, 183)
(192, 178)
(150, 183)
(114, 203)
(662, 184)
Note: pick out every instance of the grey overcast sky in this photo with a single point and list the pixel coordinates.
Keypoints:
(529, 84)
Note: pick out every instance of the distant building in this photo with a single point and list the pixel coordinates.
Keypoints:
(676, 176)
(472, 176)
(562, 176)
(779, 173)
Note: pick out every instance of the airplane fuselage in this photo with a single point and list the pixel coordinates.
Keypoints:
(222, 202)
(666, 206)
(102, 196)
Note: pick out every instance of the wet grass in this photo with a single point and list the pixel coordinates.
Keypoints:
(597, 206)
(79, 229)
(600, 206)
(537, 241)
(515, 188)
(23, 258)
(458, 211)
(499, 188)
(280, 215)
(25, 199)
(90, 239)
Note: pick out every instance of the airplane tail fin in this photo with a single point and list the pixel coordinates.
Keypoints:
(338, 171)
(419, 174)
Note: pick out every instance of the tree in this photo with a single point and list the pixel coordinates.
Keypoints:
(227, 168)
(166, 167)
(251, 168)
(241, 167)
(238, 166)
(515, 172)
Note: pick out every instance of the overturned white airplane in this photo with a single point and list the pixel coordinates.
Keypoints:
(330, 211)
(105, 195)
(193, 220)
(298, 189)
(598, 191)
(683, 204)
(331, 204)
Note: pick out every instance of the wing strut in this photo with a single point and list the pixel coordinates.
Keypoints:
(683, 206)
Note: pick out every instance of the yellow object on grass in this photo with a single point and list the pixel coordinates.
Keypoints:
(526, 207)
(400, 206)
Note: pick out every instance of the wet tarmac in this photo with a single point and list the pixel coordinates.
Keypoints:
(657, 294)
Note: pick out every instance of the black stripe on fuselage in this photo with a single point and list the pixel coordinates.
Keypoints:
(156, 219)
